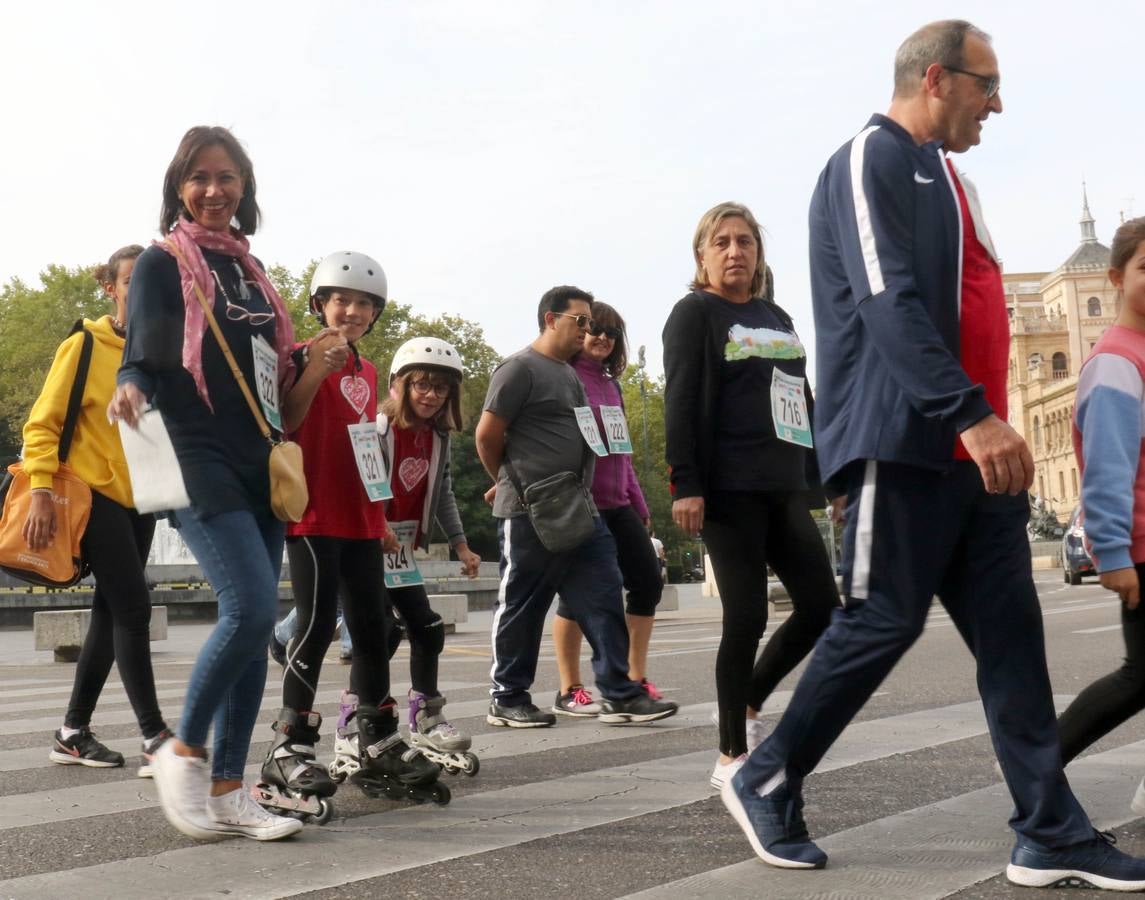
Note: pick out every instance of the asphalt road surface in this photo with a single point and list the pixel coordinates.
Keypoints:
(907, 804)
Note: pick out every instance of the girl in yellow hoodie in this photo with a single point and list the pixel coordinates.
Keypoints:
(117, 539)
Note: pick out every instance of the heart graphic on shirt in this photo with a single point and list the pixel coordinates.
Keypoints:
(411, 470)
(356, 390)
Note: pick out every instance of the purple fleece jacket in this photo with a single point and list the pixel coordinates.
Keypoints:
(614, 484)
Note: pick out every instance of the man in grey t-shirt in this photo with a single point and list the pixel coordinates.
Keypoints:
(530, 417)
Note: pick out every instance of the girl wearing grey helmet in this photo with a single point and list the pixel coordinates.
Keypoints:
(423, 407)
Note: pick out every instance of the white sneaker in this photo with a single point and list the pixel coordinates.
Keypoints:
(236, 812)
(1138, 804)
(723, 772)
(183, 783)
(756, 734)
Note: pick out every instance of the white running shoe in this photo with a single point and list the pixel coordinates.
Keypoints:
(756, 734)
(1138, 804)
(183, 783)
(723, 772)
(236, 812)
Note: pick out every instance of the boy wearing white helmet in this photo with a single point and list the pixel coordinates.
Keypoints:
(339, 541)
(424, 405)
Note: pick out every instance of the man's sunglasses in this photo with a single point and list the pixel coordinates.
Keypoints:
(582, 321)
(990, 83)
(613, 334)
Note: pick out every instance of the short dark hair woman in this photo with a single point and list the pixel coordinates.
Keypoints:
(738, 441)
(173, 360)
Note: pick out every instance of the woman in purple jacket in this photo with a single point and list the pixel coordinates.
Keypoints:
(621, 504)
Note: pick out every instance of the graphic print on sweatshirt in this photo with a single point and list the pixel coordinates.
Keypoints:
(356, 390)
(761, 343)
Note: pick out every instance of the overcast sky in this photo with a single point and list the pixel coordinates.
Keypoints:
(483, 152)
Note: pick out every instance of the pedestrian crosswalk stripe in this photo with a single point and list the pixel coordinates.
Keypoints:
(927, 852)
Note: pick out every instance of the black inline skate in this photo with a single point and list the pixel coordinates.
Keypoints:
(293, 783)
(388, 766)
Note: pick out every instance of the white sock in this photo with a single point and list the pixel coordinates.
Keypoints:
(773, 783)
(66, 732)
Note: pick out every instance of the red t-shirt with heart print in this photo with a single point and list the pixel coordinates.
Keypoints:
(339, 506)
(409, 475)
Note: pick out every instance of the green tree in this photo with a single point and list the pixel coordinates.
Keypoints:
(33, 322)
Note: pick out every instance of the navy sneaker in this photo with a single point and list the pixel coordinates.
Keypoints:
(1093, 863)
(773, 824)
(524, 716)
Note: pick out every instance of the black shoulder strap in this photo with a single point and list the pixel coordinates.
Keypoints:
(516, 481)
(75, 400)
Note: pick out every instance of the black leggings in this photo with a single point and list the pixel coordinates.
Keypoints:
(1115, 697)
(319, 567)
(745, 532)
(115, 545)
(639, 565)
(426, 633)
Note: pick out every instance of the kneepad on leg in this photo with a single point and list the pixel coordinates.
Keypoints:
(429, 636)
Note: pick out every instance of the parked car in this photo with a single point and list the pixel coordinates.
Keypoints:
(1076, 562)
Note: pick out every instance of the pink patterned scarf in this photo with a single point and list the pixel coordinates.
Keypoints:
(189, 236)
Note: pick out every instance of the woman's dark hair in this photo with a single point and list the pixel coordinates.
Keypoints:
(607, 317)
(1126, 240)
(194, 142)
(109, 271)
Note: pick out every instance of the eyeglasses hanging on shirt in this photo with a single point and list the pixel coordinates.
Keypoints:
(235, 312)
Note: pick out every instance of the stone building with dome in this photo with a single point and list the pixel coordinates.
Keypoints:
(1055, 319)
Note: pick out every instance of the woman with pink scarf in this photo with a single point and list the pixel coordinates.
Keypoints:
(173, 360)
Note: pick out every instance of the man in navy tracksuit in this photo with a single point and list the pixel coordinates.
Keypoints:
(910, 424)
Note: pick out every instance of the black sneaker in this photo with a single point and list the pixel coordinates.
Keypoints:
(83, 749)
(277, 650)
(641, 708)
(524, 716)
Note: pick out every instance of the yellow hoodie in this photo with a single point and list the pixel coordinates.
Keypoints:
(96, 455)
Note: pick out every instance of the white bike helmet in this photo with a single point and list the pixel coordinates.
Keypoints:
(426, 352)
(351, 271)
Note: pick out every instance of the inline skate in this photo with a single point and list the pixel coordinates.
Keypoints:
(345, 761)
(436, 738)
(386, 765)
(292, 782)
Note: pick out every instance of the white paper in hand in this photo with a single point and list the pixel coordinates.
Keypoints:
(156, 479)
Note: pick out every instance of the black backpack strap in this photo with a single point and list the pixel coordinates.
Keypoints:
(75, 400)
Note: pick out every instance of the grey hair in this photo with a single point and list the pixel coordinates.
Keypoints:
(939, 42)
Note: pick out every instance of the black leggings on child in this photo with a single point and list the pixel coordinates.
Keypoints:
(1113, 698)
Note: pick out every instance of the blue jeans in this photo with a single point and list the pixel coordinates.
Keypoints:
(284, 630)
(240, 554)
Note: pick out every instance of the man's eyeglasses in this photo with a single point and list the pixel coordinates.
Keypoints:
(582, 321)
(991, 83)
(613, 334)
(426, 387)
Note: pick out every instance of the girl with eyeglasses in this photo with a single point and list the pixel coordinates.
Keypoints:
(173, 360)
(618, 497)
(339, 546)
(424, 405)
